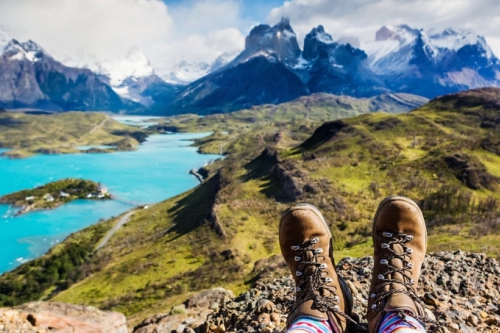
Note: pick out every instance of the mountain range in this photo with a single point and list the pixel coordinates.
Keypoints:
(272, 69)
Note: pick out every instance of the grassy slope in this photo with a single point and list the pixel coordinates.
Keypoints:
(26, 134)
(175, 248)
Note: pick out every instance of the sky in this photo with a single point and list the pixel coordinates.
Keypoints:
(170, 31)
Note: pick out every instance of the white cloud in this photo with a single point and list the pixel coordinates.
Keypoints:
(362, 18)
(195, 30)
(101, 26)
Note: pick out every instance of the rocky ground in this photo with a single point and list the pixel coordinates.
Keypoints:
(461, 292)
(43, 317)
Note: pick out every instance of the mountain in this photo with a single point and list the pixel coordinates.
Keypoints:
(186, 71)
(273, 69)
(256, 81)
(31, 78)
(338, 68)
(131, 76)
(413, 61)
(277, 43)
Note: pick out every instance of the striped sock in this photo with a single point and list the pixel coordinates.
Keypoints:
(311, 325)
(392, 323)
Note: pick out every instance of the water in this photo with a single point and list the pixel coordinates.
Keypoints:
(141, 121)
(156, 171)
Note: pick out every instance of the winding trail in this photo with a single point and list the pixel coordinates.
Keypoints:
(124, 219)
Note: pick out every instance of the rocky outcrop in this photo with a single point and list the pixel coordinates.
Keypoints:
(338, 68)
(187, 316)
(471, 172)
(38, 317)
(278, 41)
(460, 290)
(324, 133)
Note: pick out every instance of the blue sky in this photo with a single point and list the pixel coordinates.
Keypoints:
(251, 10)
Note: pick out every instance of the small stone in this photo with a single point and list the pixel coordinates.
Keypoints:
(275, 317)
(264, 318)
(430, 299)
(473, 319)
(483, 314)
(353, 288)
(220, 329)
(214, 306)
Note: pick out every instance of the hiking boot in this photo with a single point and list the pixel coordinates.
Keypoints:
(306, 245)
(400, 241)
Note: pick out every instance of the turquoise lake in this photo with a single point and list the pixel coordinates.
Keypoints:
(156, 171)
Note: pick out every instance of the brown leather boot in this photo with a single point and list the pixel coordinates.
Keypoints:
(400, 241)
(306, 245)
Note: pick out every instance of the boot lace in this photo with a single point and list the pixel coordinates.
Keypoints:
(310, 287)
(379, 294)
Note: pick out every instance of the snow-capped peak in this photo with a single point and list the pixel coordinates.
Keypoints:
(117, 69)
(133, 64)
(455, 39)
(19, 51)
(320, 34)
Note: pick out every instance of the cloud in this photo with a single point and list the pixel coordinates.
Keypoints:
(362, 18)
(195, 30)
(101, 26)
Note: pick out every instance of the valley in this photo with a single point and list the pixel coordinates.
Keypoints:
(443, 154)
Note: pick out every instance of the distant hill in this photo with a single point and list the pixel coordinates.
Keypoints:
(445, 155)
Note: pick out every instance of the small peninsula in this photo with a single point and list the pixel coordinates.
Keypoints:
(55, 194)
(63, 133)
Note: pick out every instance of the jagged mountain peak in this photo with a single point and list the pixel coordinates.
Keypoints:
(320, 34)
(29, 50)
(432, 63)
(276, 43)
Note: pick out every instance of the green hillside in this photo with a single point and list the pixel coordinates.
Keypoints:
(445, 155)
(29, 134)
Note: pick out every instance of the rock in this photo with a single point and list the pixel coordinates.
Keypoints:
(40, 317)
(473, 320)
(475, 312)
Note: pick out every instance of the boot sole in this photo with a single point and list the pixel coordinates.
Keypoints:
(348, 299)
(399, 198)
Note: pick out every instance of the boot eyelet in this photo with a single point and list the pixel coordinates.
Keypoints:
(336, 307)
(385, 246)
(314, 240)
(409, 238)
(336, 298)
(328, 280)
(373, 296)
(297, 258)
(295, 247)
(298, 273)
(409, 251)
(384, 262)
(409, 265)
(318, 251)
(387, 234)
(381, 277)
(374, 306)
(298, 289)
(323, 266)
(412, 281)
